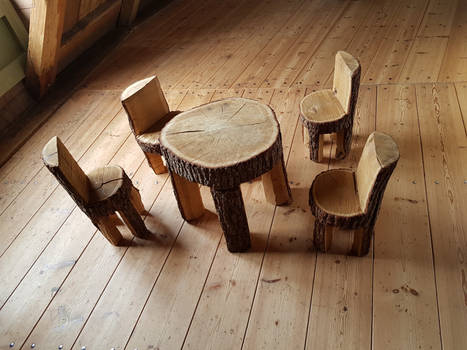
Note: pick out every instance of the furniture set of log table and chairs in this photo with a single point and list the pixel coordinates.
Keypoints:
(231, 141)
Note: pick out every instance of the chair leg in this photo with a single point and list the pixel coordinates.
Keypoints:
(133, 220)
(107, 227)
(188, 197)
(361, 241)
(156, 162)
(340, 147)
(322, 236)
(328, 231)
(318, 236)
(306, 136)
(232, 216)
(135, 199)
(316, 147)
(276, 186)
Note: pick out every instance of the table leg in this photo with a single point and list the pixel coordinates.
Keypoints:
(232, 216)
(188, 197)
(276, 186)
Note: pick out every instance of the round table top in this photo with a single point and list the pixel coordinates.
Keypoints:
(221, 133)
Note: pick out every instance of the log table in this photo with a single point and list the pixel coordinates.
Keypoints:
(221, 145)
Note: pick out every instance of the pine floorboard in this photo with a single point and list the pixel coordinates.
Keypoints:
(61, 283)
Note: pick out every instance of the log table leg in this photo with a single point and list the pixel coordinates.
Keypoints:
(232, 216)
(276, 186)
(188, 197)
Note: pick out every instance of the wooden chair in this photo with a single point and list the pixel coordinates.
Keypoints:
(332, 111)
(99, 194)
(148, 112)
(351, 199)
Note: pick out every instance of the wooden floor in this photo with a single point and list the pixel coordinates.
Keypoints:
(62, 283)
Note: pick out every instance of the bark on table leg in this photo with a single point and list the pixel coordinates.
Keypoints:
(232, 216)
(188, 197)
(276, 186)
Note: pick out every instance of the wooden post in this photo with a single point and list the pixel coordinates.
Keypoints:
(45, 35)
(128, 12)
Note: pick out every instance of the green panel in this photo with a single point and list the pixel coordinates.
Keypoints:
(9, 44)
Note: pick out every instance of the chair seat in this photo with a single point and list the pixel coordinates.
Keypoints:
(150, 138)
(334, 192)
(105, 182)
(321, 106)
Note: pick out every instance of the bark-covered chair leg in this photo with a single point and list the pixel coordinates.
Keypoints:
(276, 186)
(306, 136)
(188, 197)
(340, 144)
(316, 147)
(232, 216)
(106, 225)
(135, 199)
(318, 236)
(347, 140)
(133, 220)
(156, 162)
(361, 241)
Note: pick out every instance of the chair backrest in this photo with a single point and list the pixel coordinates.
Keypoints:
(145, 104)
(378, 160)
(346, 80)
(67, 171)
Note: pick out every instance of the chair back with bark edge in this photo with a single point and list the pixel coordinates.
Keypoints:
(346, 80)
(377, 162)
(145, 104)
(63, 166)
